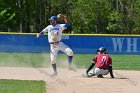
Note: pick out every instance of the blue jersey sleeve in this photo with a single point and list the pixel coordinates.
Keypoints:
(67, 24)
(41, 33)
(44, 30)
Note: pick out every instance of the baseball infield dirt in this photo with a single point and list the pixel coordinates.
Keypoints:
(75, 82)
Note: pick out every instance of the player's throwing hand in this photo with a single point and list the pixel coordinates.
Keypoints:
(37, 35)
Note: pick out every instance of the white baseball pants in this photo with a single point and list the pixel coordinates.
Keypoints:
(56, 47)
(99, 71)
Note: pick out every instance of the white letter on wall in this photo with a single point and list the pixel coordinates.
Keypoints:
(131, 44)
(117, 42)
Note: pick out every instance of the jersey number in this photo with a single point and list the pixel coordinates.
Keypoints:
(57, 33)
(103, 58)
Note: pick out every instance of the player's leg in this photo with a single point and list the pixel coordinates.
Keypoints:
(53, 54)
(99, 72)
(89, 68)
(70, 60)
(64, 48)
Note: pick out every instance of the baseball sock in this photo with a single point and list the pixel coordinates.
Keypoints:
(54, 68)
(70, 60)
(90, 67)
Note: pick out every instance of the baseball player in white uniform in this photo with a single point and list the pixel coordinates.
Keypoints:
(54, 38)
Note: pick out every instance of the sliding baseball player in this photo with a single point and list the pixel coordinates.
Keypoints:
(103, 64)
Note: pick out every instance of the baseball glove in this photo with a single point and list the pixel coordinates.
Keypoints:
(61, 16)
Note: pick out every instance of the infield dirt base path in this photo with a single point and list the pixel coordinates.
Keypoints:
(74, 81)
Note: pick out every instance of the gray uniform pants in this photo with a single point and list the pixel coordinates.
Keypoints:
(99, 71)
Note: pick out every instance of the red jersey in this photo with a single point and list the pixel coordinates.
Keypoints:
(102, 61)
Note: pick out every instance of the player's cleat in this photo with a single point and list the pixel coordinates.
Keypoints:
(54, 74)
(72, 69)
(100, 76)
(90, 75)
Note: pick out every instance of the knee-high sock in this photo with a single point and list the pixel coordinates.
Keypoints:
(90, 67)
(54, 68)
(70, 60)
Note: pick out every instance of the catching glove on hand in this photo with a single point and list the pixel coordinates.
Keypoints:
(61, 16)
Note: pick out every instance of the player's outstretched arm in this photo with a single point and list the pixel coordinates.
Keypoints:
(41, 33)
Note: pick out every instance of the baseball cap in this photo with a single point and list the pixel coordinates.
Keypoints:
(53, 18)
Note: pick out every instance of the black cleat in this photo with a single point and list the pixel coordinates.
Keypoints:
(100, 76)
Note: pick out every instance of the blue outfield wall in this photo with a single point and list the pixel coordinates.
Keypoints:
(80, 44)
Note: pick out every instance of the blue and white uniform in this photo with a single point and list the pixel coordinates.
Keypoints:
(54, 38)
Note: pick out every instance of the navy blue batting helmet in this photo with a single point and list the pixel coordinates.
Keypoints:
(53, 18)
(101, 50)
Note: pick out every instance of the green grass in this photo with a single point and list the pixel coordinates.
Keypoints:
(126, 62)
(120, 62)
(22, 86)
(24, 60)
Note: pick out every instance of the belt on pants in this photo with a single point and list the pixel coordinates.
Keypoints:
(55, 42)
(103, 68)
